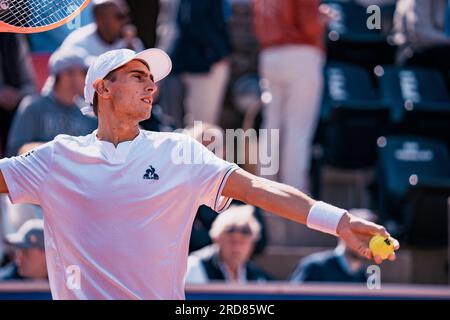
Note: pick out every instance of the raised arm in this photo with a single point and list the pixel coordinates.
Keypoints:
(290, 203)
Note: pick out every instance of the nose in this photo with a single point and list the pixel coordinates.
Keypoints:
(151, 87)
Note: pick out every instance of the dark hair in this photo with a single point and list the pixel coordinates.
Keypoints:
(111, 76)
(96, 10)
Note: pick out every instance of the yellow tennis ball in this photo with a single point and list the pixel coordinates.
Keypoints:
(381, 246)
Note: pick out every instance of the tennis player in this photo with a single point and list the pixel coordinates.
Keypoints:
(119, 203)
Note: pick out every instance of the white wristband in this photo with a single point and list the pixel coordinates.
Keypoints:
(324, 217)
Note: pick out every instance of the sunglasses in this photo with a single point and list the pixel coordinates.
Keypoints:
(121, 16)
(246, 231)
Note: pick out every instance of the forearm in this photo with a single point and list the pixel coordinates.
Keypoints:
(279, 199)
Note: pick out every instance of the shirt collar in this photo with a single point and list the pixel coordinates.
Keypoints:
(119, 154)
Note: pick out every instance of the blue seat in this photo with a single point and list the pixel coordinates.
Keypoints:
(419, 101)
(354, 116)
(350, 40)
(414, 185)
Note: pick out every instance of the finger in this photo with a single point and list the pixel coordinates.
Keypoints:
(371, 228)
(392, 257)
(396, 244)
(378, 259)
(359, 246)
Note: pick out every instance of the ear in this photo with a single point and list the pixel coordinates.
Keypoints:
(101, 88)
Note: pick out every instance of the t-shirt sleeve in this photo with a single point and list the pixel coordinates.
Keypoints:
(26, 174)
(209, 175)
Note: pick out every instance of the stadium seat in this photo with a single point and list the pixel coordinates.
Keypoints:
(350, 40)
(419, 101)
(354, 117)
(414, 185)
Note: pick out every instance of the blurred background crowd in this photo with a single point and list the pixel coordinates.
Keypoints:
(360, 95)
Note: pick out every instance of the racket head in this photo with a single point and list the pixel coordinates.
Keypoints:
(33, 16)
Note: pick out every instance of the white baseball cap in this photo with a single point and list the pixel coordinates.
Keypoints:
(158, 61)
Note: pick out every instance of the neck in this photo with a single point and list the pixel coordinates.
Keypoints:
(232, 268)
(64, 95)
(233, 271)
(353, 263)
(116, 131)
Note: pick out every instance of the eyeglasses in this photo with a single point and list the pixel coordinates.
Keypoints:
(245, 230)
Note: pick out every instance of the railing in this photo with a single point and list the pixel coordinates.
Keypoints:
(272, 291)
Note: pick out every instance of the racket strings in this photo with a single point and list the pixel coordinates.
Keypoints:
(25, 13)
(42, 13)
(37, 13)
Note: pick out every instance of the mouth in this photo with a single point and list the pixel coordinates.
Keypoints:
(147, 101)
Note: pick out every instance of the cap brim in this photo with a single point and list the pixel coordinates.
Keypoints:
(158, 61)
(15, 240)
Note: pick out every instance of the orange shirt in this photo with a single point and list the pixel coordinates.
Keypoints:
(284, 22)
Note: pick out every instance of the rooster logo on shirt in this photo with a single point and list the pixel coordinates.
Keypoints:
(150, 174)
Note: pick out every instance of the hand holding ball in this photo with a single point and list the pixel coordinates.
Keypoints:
(381, 246)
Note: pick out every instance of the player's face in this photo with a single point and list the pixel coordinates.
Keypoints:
(31, 263)
(132, 92)
(236, 244)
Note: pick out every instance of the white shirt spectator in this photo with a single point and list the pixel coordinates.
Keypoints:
(87, 38)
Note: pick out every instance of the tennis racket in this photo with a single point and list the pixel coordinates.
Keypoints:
(32, 16)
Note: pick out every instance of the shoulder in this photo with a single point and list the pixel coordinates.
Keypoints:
(80, 34)
(204, 253)
(172, 138)
(319, 259)
(33, 103)
(257, 272)
(72, 142)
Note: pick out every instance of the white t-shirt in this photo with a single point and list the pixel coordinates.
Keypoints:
(121, 216)
(87, 38)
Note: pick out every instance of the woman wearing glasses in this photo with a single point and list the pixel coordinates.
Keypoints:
(234, 234)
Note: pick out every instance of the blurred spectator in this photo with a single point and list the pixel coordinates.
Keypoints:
(200, 56)
(29, 261)
(234, 233)
(422, 32)
(290, 34)
(57, 112)
(109, 31)
(16, 79)
(144, 15)
(171, 93)
(338, 265)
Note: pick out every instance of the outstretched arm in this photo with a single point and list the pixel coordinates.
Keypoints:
(290, 203)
